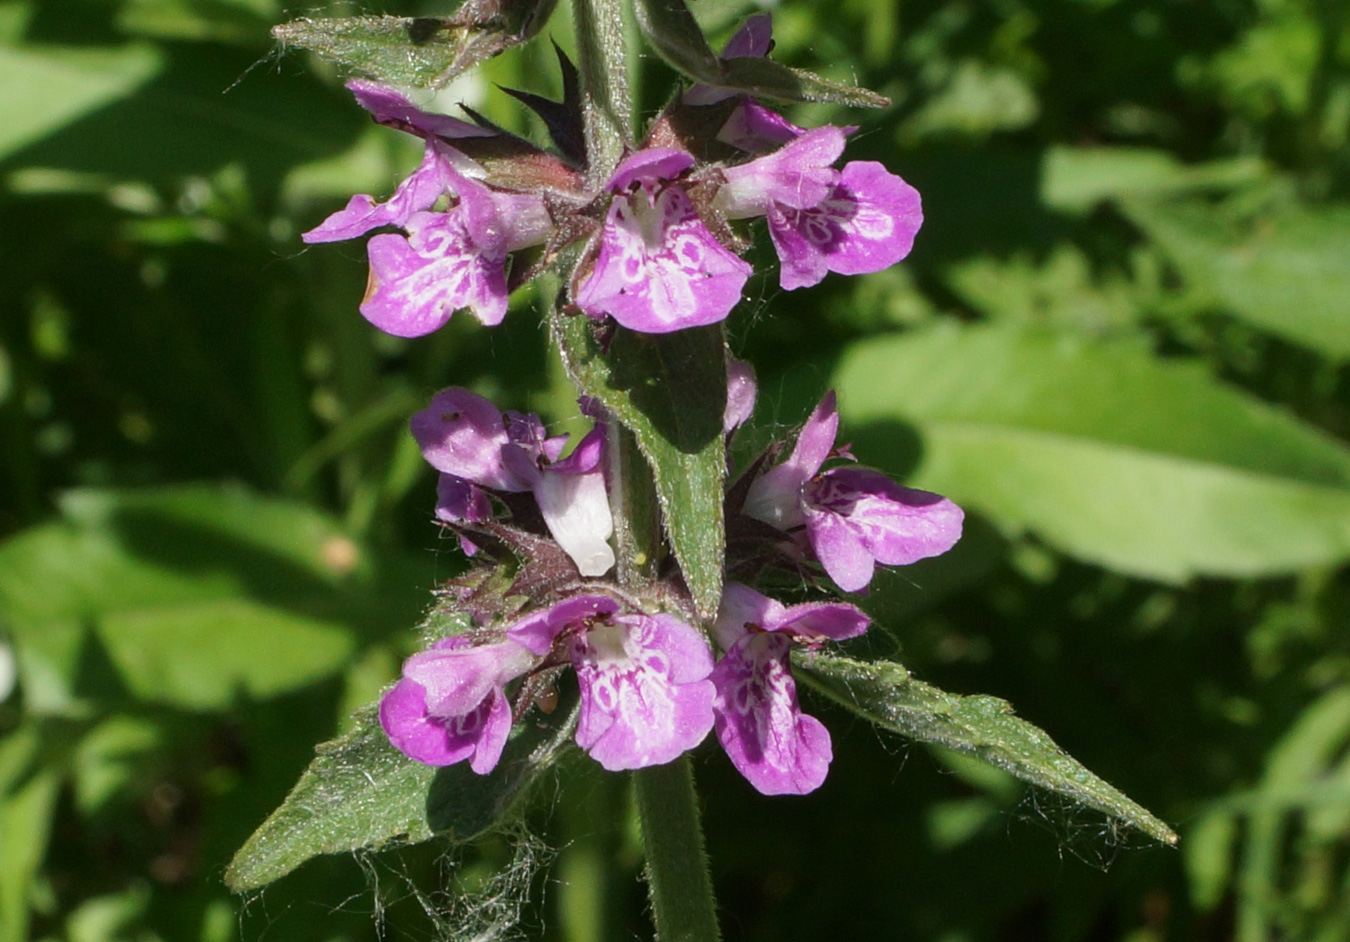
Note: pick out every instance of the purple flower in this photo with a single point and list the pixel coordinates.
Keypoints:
(659, 268)
(574, 502)
(441, 166)
(475, 446)
(452, 260)
(755, 129)
(854, 518)
(420, 191)
(443, 261)
(779, 749)
(465, 435)
(645, 693)
(741, 390)
(853, 221)
(451, 703)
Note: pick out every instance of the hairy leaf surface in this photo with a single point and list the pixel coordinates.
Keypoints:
(984, 727)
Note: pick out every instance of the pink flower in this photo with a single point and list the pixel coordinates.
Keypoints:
(853, 221)
(645, 693)
(741, 392)
(475, 447)
(854, 518)
(451, 703)
(659, 268)
(420, 191)
(779, 749)
(444, 261)
(451, 261)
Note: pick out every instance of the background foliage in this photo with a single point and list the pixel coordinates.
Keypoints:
(1120, 343)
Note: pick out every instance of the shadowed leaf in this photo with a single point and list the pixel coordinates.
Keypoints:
(983, 727)
(670, 390)
(677, 38)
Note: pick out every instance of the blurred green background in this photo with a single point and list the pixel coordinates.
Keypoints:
(1120, 343)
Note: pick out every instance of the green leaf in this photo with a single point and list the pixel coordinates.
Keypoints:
(976, 100)
(28, 794)
(48, 88)
(983, 727)
(420, 51)
(226, 517)
(677, 38)
(360, 793)
(236, 21)
(1077, 178)
(670, 390)
(1286, 272)
(108, 756)
(765, 78)
(201, 656)
(1152, 468)
(184, 587)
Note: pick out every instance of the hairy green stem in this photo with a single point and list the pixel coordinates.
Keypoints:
(603, 64)
(677, 866)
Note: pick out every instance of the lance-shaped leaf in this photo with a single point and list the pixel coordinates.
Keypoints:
(1285, 271)
(765, 78)
(983, 727)
(1147, 465)
(670, 390)
(420, 51)
(360, 793)
(677, 38)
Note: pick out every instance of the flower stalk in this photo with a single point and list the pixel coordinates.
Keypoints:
(606, 103)
(677, 864)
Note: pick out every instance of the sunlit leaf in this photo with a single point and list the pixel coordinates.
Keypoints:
(1151, 468)
(47, 88)
(186, 588)
(237, 21)
(203, 655)
(420, 51)
(1285, 272)
(1077, 178)
(983, 727)
(360, 793)
(27, 798)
